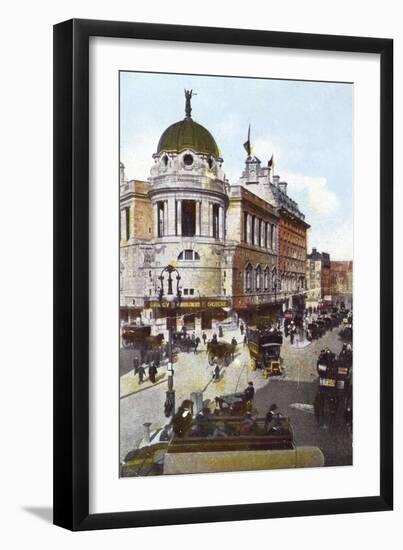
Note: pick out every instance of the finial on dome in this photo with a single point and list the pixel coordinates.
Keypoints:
(188, 107)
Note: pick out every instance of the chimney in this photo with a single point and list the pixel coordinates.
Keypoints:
(276, 180)
(283, 186)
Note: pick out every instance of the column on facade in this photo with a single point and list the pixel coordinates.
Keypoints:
(204, 218)
(166, 232)
(155, 219)
(211, 219)
(220, 222)
(179, 217)
(170, 216)
(198, 219)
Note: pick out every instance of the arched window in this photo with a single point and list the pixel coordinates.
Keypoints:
(266, 278)
(273, 279)
(248, 278)
(258, 279)
(189, 255)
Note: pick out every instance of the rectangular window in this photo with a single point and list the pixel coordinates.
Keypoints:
(188, 218)
(191, 291)
(265, 234)
(245, 227)
(185, 291)
(216, 221)
(161, 215)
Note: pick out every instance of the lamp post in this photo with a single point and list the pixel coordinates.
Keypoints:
(175, 298)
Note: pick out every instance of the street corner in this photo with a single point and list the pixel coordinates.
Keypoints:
(129, 383)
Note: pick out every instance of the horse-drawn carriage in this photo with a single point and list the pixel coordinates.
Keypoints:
(181, 341)
(220, 352)
(150, 348)
(264, 349)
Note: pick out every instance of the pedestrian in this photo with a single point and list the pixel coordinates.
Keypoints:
(204, 336)
(220, 331)
(216, 372)
(141, 372)
(214, 339)
(249, 392)
(292, 332)
(136, 364)
(152, 371)
(242, 328)
(245, 340)
(196, 344)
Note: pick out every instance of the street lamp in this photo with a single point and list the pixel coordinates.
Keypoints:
(176, 298)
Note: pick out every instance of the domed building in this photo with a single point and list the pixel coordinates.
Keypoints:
(196, 251)
(188, 196)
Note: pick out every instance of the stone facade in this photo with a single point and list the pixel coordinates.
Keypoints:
(222, 240)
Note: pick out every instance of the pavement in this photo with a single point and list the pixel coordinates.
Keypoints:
(293, 392)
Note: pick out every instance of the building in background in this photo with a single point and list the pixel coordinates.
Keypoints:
(292, 231)
(341, 282)
(318, 277)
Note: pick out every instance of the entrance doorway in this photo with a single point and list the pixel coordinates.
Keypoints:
(190, 322)
(206, 320)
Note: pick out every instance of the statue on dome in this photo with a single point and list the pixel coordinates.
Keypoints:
(188, 107)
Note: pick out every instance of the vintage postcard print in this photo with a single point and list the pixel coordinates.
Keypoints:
(236, 263)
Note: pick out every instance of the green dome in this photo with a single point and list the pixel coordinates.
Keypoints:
(187, 134)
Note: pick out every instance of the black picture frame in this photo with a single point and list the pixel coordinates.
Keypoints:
(71, 274)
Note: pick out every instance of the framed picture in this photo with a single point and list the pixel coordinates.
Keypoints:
(223, 319)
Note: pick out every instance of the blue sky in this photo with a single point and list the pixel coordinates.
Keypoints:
(307, 126)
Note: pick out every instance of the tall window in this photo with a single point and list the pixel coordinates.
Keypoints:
(258, 278)
(259, 231)
(161, 218)
(249, 228)
(265, 226)
(252, 237)
(273, 279)
(248, 278)
(188, 218)
(216, 221)
(245, 227)
(266, 278)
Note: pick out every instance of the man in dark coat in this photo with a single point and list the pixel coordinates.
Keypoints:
(204, 336)
(249, 392)
(141, 372)
(152, 371)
